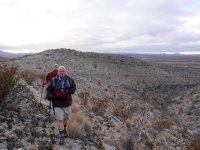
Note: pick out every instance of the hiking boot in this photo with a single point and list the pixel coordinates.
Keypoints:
(65, 134)
(62, 141)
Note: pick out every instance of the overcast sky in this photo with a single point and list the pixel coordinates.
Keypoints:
(100, 25)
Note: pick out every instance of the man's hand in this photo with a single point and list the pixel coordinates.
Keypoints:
(50, 98)
(43, 83)
(67, 91)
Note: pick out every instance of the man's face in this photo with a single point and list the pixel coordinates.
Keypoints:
(62, 72)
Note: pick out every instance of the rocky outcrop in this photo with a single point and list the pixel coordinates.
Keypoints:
(24, 122)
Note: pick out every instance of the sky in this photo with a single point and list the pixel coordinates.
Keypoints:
(114, 26)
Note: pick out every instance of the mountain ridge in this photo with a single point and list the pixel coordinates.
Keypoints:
(138, 102)
(9, 54)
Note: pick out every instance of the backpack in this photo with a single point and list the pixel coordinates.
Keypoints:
(51, 75)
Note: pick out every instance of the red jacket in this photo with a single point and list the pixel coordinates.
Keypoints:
(51, 75)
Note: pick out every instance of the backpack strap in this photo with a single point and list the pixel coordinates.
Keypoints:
(69, 78)
(54, 84)
(70, 81)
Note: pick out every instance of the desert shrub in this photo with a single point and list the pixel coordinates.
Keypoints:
(75, 108)
(95, 66)
(194, 144)
(126, 143)
(123, 111)
(99, 105)
(99, 83)
(78, 126)
(30, 76)
(129, 123)
(84, 97)
(163, 124)
(8, 80)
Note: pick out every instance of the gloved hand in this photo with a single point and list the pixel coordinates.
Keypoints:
(67, 91)
(43, 83)
(50, 98)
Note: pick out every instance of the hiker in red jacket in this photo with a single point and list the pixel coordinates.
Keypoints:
(60, 92)
(51, 74)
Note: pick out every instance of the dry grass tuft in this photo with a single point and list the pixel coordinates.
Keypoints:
(99, 105)
(124, 112)
(75, 108)
(129, 123)
(163, 124)
(8, 80)
(84, 97)
(126, 143)
(31, 75)
(79, 125)
(194, 143)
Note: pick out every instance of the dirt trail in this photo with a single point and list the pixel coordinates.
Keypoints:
(37, 95)
(68, 142)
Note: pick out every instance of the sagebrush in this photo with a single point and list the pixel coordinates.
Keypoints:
(31, 75)
(124, 112)
(8, 78)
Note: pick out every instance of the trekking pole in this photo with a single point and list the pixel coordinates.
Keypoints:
(41, 95)
(49, 110)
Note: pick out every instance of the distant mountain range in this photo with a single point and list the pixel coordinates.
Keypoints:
(159, 55)
(7, 54)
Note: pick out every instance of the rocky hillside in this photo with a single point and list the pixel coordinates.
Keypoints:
(131, 103)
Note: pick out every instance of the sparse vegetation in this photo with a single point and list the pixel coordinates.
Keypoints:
(194, 143)
(163, 124)
(128, 123)
(8, 78)
(75, 108)
(169, 93)
(79, 125)
(99, 105)
(84, 97)
(95, 66)
(127, 143)
(124, 111)
(30, 76)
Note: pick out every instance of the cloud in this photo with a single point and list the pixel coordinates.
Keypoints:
(3, 47)
(101, 25)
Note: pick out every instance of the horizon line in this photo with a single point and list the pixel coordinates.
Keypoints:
(154, 53)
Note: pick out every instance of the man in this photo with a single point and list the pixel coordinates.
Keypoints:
(51, 74)
(59, 91)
